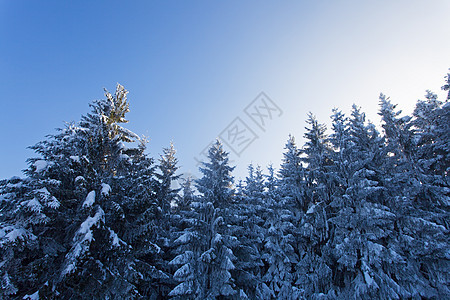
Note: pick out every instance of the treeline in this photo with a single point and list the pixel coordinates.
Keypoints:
(354, 213)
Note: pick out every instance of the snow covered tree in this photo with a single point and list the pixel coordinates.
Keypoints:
(292, 179)
(431, 130)
(34, 211)
(421, 235)
(316, 157)
(185, 244)
(280, 257)
(216, 188)
(184, 201)
(141, 227)
(167, 175)
(96, 252)
(250, 212)
(284, 200)
(216, 183)
(205, 270)
(363, 257)
(70, 223)
(341, 144)
(166, 196)
(313, 273)
(446, 86)
(21, 212)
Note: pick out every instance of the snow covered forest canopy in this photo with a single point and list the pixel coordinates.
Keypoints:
(353, 213)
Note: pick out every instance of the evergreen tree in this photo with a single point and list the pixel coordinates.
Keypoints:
(142, 224)
(313, 272)
(216, 183)
(421, 237)
(363, 256)
(184, 201)
(284, 203)
(166, 195)
(431, 136)
(446, 86)
(185, 244)
(70, 220)
(292, 178)
(248, 226)
(205, 268)
(167, 175)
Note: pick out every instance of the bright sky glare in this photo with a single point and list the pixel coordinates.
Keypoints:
(192, 67)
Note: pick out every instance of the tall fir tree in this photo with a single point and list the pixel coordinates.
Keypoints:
(248, 226)
(313, 272)
(421, 237)
(285, 204)
(71, 219)
(364, 258)
(167, 195)
(205, 269)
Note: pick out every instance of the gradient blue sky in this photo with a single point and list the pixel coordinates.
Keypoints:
(191, 67)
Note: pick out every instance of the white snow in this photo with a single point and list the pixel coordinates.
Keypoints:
(182, 289)
(19, 233)
(15, 185)
(51, 201)
(182, 258)
(375, 249)
(125, 157)
(54, 203)
(34, 205)
(368, 278)
(243, 295)
(90, 199)
(6, 197)
(82, 239)
(227, 264)
(40, 165)
(43, 191)
(183, 272)
(85, 227)
(184, 238)
(218, 221)
(75, 158)
(115, 238)
(53, 182)
(79, 178)
(16, 233)
(429, 224)
(156, 247)
(106, 189)
(272, 229)
(34, 296)
(217, 238)
(208, 255)
(311, 209)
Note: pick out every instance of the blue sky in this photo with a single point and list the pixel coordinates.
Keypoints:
(192, 67)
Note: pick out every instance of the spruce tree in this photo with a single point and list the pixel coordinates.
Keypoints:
(69, 229)
(363, 251)
(285, 204)
(422, 236)
(250, 213)
(205, 267)
(313, 272)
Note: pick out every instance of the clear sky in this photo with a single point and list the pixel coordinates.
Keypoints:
(192, 67)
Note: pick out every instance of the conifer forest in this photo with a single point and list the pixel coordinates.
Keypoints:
(356, 212)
